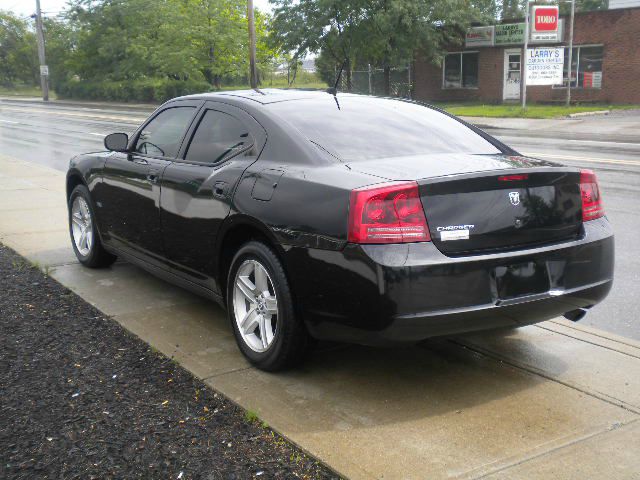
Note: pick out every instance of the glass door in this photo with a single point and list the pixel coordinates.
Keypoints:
(512, 72)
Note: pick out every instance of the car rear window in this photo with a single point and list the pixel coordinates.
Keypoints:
(363, 128)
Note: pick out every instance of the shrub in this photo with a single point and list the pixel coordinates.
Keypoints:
(143, 90)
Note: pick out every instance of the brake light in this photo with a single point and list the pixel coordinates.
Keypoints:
(513, 178)
(387, 213)
(592, 207)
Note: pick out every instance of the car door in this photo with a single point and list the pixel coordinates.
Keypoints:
(130, 194)
(197, 187)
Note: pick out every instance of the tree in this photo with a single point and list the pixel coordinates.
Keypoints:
(584, 6)
(396, 29)
(313, 26)
(61, 42)
(513, 9)
(18, 51)
(177, 39)
(381, 32)
(114, 41)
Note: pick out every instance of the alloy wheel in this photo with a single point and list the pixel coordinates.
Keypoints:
(255, 305)
(82, 226)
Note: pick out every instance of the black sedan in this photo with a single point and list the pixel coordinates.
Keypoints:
(341, 217)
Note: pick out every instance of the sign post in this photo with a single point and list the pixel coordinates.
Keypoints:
(523, 76)
(573, 11)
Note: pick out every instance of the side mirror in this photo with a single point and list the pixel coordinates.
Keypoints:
(116, 142)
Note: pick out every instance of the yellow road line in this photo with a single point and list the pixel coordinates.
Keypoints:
(584, 159)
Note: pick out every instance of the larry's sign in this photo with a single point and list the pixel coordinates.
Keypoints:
(545, 66)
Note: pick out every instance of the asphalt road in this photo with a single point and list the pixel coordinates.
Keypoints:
(51, 134)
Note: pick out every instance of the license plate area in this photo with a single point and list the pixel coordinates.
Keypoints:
(521, 280)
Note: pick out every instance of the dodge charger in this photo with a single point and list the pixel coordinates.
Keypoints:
(312, 215)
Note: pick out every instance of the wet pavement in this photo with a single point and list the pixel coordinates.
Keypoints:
(554, 400)
(50, 134)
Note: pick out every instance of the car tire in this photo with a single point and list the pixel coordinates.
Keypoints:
(289, 341)
(83, 229)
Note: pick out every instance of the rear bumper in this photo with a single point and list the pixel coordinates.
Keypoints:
(380, 294)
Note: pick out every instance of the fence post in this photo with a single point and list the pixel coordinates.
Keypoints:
(370, 90)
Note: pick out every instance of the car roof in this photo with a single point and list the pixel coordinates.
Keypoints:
(263, 96)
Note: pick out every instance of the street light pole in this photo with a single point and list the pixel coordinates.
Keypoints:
(252, 45)
(44, 71)
(573, 11)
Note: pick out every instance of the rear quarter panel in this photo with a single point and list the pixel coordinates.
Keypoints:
(87, 168)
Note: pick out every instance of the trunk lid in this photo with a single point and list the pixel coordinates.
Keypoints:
(503, 210)
(469, 209)
(437, 165)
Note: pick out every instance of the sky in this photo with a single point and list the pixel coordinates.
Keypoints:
(52, 7)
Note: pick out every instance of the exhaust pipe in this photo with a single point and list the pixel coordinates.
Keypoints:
(576, 315)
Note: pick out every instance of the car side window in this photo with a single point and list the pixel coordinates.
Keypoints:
(218, 136)
(161, 137)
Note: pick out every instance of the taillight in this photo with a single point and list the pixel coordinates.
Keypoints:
(592, 207)
(387, 213)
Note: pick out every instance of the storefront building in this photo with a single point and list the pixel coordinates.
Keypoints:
(487, 67)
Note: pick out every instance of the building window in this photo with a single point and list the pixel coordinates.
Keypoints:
(586, 67)
(460, 70)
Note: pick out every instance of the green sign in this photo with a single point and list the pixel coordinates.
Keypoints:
(509, 34)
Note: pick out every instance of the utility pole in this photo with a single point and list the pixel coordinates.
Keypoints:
(253, 78)
(573, 11)
(523, 75)
(44, 70)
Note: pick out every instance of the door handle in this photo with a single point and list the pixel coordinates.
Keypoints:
(220, 189)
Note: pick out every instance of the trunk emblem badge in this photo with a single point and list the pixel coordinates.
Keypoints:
(514, 198)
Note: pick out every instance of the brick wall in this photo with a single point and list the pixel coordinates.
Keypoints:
(617, 30)
(428, 79)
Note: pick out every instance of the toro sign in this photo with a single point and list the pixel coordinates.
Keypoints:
(545, 23)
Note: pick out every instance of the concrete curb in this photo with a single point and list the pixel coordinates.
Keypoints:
(630, 342)
(589, 114)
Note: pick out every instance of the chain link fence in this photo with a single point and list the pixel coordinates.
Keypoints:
(371, 82)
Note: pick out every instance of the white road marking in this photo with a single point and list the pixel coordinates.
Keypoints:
(9, 121)
(97, 134)
(583, 159)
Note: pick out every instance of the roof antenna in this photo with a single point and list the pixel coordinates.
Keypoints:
(334, 90)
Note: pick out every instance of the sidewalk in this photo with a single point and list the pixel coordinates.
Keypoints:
(617, 126)
(555, 400)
